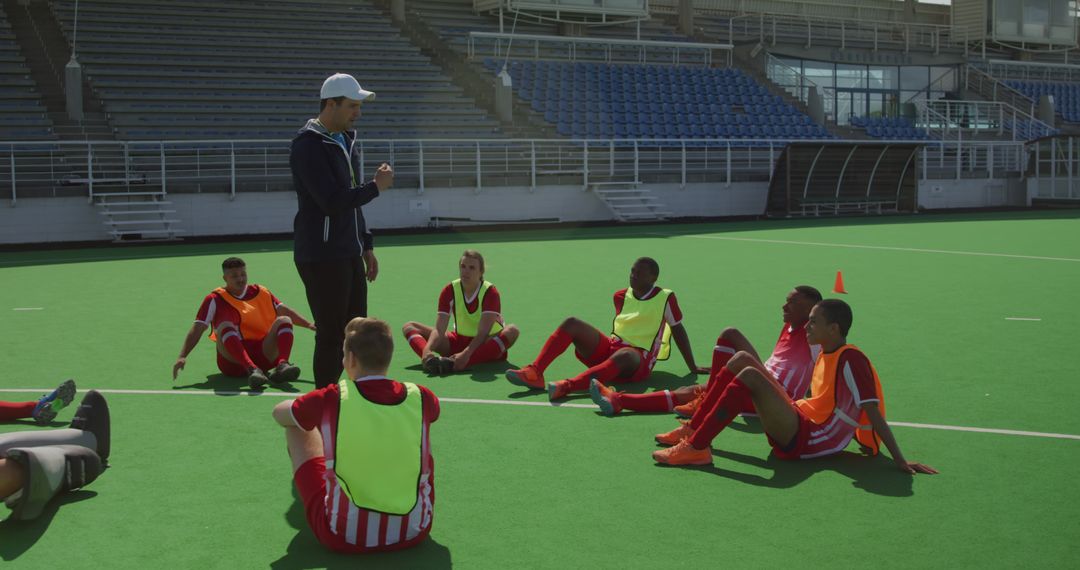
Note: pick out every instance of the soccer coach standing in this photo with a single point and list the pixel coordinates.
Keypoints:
(332, 246)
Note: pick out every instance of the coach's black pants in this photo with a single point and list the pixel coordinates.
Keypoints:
(336, 293)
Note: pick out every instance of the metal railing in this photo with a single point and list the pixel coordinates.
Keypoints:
(607, 50)
(990, 87)
(815, 30)
(91, 168)
(957, 119)
(1055, 167)
(1030, 70)
(866, 10)
(798, 84)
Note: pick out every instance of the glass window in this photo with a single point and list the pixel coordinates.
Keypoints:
(819, 72)
(883, 77)
(850, 76)
(914, 77)
(943, 78)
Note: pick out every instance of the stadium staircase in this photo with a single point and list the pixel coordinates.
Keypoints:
(142, 216)
(630, 202)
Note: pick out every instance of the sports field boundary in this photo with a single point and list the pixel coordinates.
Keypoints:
(519, 403)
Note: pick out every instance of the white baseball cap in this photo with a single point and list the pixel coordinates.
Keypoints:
(344, 85)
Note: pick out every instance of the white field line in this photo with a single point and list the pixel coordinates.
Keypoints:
(1021, 319)
(877, 247)
(520, 403)
(28, 308)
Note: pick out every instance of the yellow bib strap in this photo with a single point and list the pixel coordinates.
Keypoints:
(642, 323)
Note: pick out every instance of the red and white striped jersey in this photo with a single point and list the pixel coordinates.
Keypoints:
(792, 360)
(360, 527)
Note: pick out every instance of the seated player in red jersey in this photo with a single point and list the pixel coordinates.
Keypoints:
(479, 334)
(646, 317)
(252, 329)
(845, 402)
(360, 452)
(791, 364)
(42, 410)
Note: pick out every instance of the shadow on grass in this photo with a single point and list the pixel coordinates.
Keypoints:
(304, 551)
(877, 475)
(223, 385)
(486, 372)
(21, 536)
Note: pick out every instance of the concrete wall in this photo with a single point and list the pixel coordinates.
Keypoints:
(972, 193)
(36, 220)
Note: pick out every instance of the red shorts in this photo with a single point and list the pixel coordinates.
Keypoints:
(254, 349)
(310, 480)
(814, 440)
(607, 346)
(458, 342)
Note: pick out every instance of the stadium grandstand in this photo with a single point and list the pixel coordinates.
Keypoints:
(183, 110)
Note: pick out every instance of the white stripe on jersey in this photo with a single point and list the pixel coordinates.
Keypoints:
(351, 523)
(337, 503)
(372, 538)
(722, 348)
(393, 530)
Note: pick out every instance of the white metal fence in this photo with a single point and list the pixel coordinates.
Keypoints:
(92, 168)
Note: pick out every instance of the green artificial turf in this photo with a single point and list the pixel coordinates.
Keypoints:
(202, 480)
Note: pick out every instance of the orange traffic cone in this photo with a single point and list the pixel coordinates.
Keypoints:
(838, 287)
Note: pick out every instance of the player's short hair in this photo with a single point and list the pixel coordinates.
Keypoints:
(809, 292)
(370, 341)
(324, 102)
(837, 311)
(232, 263)
(473, 254)
(650, 263)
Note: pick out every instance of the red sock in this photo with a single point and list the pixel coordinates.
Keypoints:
(732, 402)
(716, 386)
(417, 342)
(721, 355)
(556, 344)
(493, 349)
(16, 410)
(284, 344)
(605, 372)
(662, 401)
(235, 348)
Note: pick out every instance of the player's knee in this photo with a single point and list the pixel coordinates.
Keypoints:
(225, 327)
(282, 321)
(511, 334)
(626, 358)
(740, 361)
(751, 377)
(571, 325)
(408, 328)
(729, 335)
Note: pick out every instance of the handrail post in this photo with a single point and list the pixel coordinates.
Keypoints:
(90, 169)
(420, 158)
(682, 186)
(637, 173)
(12, 155)
(232, 171)
(532, 166)
(161, 149)
(479, 185)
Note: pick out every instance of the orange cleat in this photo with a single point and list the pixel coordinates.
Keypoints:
(683, 454)
(676, 435)
(528, 377)
(687, 410)
(605, 397)
(557, 390)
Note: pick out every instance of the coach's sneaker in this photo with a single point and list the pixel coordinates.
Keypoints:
(683, 454)
(257, 379)
(557, 390)
(528, 377)
(605, 397)
(92, 416)
(284, 373)
(51, 403)
(676, 435)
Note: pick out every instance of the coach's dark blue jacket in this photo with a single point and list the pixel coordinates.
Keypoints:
(329, 223)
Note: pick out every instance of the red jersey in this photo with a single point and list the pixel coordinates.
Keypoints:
(792, 360)
(319, 409)
(215, 311)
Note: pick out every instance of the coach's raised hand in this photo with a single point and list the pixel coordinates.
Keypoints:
(384, 177)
